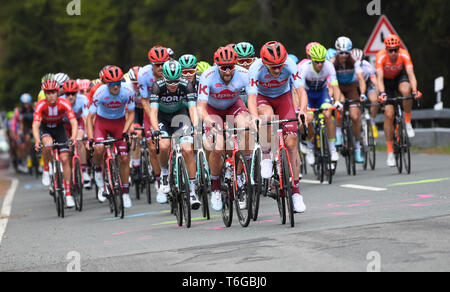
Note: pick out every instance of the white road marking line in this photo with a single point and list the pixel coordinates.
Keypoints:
(364, 188)
(315, 182)
(6, 208)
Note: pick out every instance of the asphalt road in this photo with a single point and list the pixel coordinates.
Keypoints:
(388, 222)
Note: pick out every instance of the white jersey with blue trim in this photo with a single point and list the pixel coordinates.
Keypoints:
(145, 80)
(213, 90)
(262, 82)
(80, 108)
(110, 106)
(317, 81)
(368, 69)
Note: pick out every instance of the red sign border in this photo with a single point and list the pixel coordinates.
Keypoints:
(381, 20)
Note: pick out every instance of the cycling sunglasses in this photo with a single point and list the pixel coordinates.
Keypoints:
(245, 61)
(158, 64)
(226, 68)
(275, 67)
(344, 53)
(172, 82)
(393, 50)
(188, 72)
(112, 84)
(70, 93)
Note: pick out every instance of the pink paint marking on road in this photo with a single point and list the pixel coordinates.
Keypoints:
(425, 196)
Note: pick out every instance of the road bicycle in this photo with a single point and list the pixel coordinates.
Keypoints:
(144, 181)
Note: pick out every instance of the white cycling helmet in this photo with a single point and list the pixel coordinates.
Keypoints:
(343, 44)
(358, 54)
(61, 78)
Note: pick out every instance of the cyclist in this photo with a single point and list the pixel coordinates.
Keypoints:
(316, 73)
(269, 94)
(202, 66)
(218, 97)
(24, 120)
(246, 57)
(97, 84)
(85, 86)
(372, 85)
(60, 78)
(348, 72)
(147, 75)
(48, 127)
(169, 116)
(188, 64)
(395, 71)
(108, 108)
(80, 106)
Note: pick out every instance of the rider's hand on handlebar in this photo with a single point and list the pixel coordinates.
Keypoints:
(382, 97)
(417, 94)
(37, 146)
(339, 105)
(363, 98)
(155, 134)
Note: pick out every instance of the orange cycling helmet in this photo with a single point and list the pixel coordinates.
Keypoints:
(225, 56)
(158, 54)
(71, 86)
(273, 53)
(392, 41)
(50, 85)
(112, 74)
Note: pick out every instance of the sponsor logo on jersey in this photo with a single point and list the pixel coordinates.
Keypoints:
(225, 94)
(273, 83)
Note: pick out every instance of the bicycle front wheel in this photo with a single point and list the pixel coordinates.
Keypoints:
(227, 195)
(257, 182)
(242, 190)
(406, 153)
(59, 189)
(78, 185)
(287, 185)
(205, 184)
(183, 182)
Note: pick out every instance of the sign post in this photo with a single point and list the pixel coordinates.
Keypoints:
(438, 87)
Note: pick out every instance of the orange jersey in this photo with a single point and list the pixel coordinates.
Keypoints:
(390, 69)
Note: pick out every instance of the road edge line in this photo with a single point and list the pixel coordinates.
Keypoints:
(6, 208)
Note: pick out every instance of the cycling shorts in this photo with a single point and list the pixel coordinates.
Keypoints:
(282, 107)
(391, 85)
(58, 134)
(178, 123)
(114, 128)
(317, 98)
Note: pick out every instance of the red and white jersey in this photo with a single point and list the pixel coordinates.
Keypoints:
(52, 115)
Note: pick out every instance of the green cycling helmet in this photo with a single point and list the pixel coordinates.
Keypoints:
(10, 115)
(318, 53)
(245, 50)
(188, 61)
(202, 66)
(171, 70)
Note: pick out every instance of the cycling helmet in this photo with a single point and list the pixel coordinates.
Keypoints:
(71, 86)
(309, 46)
(10, 115)
(158, 54)
(100, 74)
(50, 85)
(231, 45)
(343, 44)
(47, 76)
(392, 41)
(84, 84)
(273, 53)
(331, 53)
(318, 53)
(294, 57)
(245, 50)
(61, 78)
(112, 74)
(96, 81)
(358, 54)
(225, 56)
(133, 73)
(25, 98)
(202, 66)
(188, 61)
(171, 70)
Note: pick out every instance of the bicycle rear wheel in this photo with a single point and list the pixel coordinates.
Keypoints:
(243, 194)
(287, 185)
(257, 182)
(183, 182)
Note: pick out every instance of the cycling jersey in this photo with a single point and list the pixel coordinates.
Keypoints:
(110, 106)
(145, 80)
(137, 96)
(91, 93)
(213, 90)
(168, 102)
(262, 82)
(81, 106)
(316, 81)
(52, 115)
(393, 69)
(346, 74)
(368, 70)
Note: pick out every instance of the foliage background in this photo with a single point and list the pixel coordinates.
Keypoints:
(38, 36)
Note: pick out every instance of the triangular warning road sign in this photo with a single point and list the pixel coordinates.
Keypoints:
(383, 28)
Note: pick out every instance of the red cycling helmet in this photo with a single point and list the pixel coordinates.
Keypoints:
(225, 56)
(392, 41)
(71, 86)
(84, 84)
(158, 54)
(112, 74)
(309, 46)
(273, 53)
(50, 85)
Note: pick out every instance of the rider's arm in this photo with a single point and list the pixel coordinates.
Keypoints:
(412, 78)
(90, 125)
(74, 124)
(302, 99)
(253, 105)
(35, 127)
(380, 80)
(203, 113)
(129, 121)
